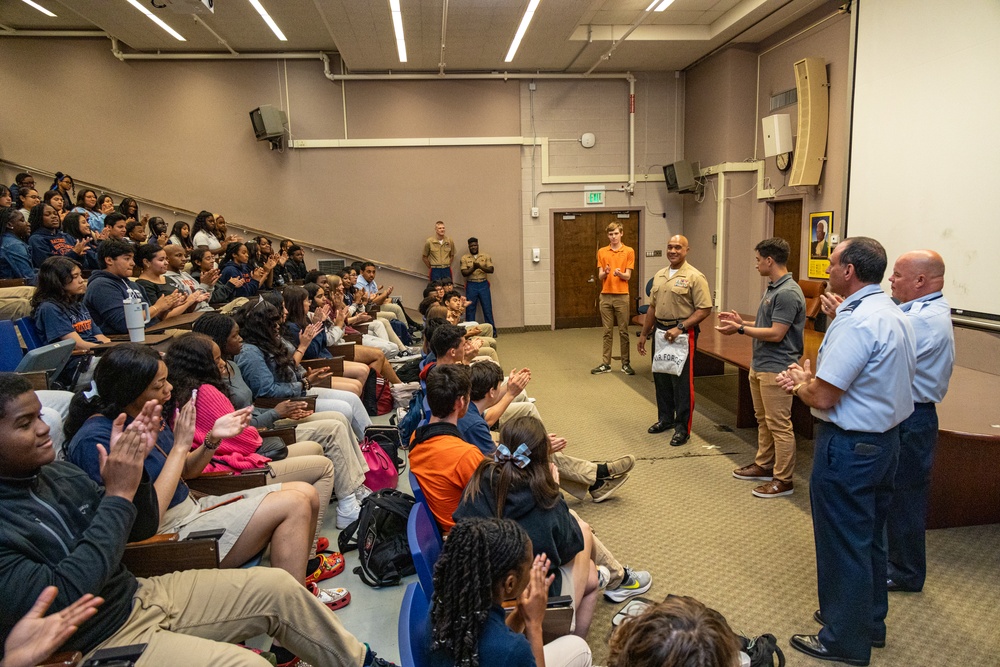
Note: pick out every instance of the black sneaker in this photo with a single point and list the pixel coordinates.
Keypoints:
(627, 370)
(372, 660)
(603, 368)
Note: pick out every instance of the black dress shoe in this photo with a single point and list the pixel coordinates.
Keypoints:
(894, 587)
(659, 427)
(813, 647)
(679, 439)
(876, 643)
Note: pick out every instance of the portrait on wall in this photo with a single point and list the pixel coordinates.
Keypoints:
(820, 228)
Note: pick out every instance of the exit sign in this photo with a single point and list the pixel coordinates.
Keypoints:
(593, 197)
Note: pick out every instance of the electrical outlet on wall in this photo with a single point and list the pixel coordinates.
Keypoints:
(534, 211)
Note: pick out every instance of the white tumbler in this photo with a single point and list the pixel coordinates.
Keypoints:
(136, 319)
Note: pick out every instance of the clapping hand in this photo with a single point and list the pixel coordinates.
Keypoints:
(306, 335)
(829, 302)
(556, 443)
(122, 461)
(316, 374)
(729, 323)
(237, 282)
(259, 273)
(36, 636)
(517, 381)
(184, 423)
(795, 374)
(210, 276)
(535, 596)
(231, 425)
(292, 410)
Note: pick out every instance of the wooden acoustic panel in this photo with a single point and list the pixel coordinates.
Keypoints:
(813, 122)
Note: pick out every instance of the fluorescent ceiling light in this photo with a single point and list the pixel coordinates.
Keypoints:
(397, 26)
(156, 19)
(268, 20)
(521, 29)
(663, 5)
(40, 8)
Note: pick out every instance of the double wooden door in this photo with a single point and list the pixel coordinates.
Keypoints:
(577, 239)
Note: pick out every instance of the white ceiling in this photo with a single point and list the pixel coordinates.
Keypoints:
(564, 36)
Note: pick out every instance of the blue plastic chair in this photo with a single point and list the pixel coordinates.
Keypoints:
(417, 492)
(10, 348)
(29, 334)
(414, 628)
(425, 545)
(645, 307)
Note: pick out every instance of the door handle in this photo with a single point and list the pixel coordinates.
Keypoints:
(591, 279)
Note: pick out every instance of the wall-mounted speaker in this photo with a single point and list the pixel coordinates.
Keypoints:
(777, 134)
(814, 118)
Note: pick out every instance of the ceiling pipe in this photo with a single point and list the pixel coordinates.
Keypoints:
(216, 35)
(485, 76)
(617, 42)
(120, 55)
(52, 33)
(444, 31)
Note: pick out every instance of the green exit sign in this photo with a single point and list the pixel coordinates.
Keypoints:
(594, 198)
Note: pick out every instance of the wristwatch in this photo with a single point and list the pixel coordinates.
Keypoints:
(741, 330)
(680, 325)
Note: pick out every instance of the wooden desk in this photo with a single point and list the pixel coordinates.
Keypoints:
(965, 490)
(118, 339)
(182, 321)
(714, 350)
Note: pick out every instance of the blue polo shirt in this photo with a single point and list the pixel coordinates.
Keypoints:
(476, 431)
(930, 317)
(869, 353)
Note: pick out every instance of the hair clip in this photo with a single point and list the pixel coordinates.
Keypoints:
(92, 392)
(520, 457)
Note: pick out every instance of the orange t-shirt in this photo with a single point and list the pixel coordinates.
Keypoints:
(444, 465)
(622, 259)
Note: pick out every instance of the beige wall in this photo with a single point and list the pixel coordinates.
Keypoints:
(722, 121)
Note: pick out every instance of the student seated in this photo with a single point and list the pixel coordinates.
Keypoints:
(154, 284)
(115, 227)
(484, 563)
(270, 366)
(295, 266)
(678, 632)
(130, 385)
(76, 227)
(107, 289)
(48, 240)
(183, 281)
(197, 614)
(234, 265)
(456, 305)
(203, 233)
(15, 254)
(180, 234)
(331, 430)
(379, 336)
(193, 361)
(59, 314)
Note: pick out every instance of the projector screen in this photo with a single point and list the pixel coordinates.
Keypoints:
(925, 145)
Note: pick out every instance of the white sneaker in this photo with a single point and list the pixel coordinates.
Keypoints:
(362, 492)
(636, 582)
(603, 577)
(348, 511)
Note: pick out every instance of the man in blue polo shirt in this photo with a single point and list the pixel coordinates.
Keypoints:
(860, 394)
(777, 344)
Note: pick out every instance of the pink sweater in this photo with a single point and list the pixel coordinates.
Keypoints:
(239, 453)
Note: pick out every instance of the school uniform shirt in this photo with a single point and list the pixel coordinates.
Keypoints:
(55, 320)
(45, 243)
(234, 270)
(104, 299)
(207, 239)
(15, 258)
(95, 220)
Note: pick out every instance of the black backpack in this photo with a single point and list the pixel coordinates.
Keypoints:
(763, 651)
(381, 538)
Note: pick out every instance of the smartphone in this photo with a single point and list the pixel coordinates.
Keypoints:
(121, 656)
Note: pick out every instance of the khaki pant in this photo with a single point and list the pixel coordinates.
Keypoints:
(332, 431)
(15, 302)
(615, 307)
(306, 463)
(775, 436)
(195, 618)
(395, 309)
(602, 556)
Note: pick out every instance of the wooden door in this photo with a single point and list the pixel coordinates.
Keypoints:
(578, 236)
(788, 225)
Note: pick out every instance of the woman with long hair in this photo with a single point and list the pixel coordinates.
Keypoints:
(372, 356)
(203, 233)
(55, 199)
(86, 203)
(105, 206)
(129, 208)
(151, 281)
(331, 430)
(59, 313)
(485, 563)
(180, 234)
(48, 240)
(130, 384)
(520, 483)
(235, 264)
(265, 251)
(270, 365)
(76, 226)
(15, 253)
(334, 294)
(7, 200)
(158, 231)
(194, 364)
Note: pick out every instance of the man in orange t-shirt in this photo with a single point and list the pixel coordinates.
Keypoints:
(442, 461)
(614, 268)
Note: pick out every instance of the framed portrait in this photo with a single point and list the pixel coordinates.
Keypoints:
(820, 228)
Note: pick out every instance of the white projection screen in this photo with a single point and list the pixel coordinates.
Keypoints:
(925, 145)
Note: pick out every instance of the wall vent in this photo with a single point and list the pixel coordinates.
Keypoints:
(783, 99)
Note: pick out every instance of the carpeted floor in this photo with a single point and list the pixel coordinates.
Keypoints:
(700, 532)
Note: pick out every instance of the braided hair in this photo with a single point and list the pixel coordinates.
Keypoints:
(477, 557)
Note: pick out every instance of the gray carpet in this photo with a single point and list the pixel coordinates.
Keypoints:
(700, 532)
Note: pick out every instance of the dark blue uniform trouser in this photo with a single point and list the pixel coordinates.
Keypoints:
(906, 524)
(675, 393)
(479, 294)
(439, 273)
(850, 490)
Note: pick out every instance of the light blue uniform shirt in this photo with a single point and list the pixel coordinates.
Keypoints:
(370, 287)
(930, 317)
(869, 352)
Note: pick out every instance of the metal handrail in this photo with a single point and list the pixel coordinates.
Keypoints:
(262, 232)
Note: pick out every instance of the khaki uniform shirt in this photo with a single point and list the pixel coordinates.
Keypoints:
(439, 252)
(678, 297)
(478, 275)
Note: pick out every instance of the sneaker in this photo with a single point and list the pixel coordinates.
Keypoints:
(346, 518)
(627, 369)
(603, 576)
(754, 472)
(636, 582)
(603, 368)
(362, 492)
(620, 466)
(607, 488)
(372, 660)
(774, 489)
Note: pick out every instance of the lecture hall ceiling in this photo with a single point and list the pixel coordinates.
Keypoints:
(564, 35)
